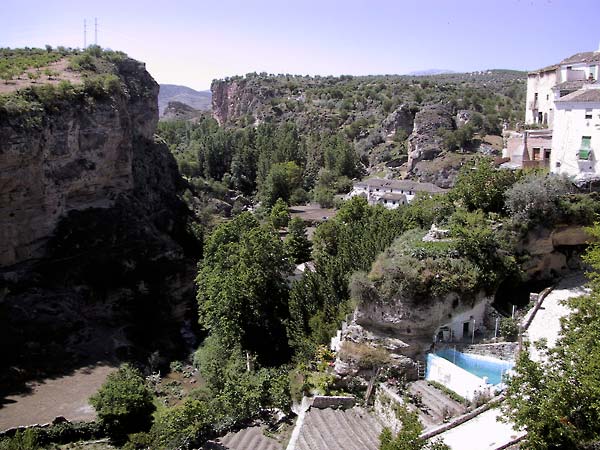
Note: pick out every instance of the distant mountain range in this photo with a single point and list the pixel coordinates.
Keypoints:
(430, 72)
(200, 100)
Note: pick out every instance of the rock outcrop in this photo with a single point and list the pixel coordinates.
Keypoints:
(78, 157)
(180, 111)
(425, 142)
(402, 118)
(553, 252)
(96, 258)
(236, 98)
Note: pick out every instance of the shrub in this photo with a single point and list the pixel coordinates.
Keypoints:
(535, 198)
(509, 329)
(366, 356)
(124, 404)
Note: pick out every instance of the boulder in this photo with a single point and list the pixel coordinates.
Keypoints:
(573, 235)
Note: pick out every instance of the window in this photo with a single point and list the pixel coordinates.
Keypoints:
(535, 96)
(547, 96)
(536, 153)
(588, 113)
(586, 149)
(547, 152)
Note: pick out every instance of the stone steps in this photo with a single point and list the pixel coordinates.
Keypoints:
(437, 406)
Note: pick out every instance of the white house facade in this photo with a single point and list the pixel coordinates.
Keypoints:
(576, 135)
(545, 86)
(391, 193)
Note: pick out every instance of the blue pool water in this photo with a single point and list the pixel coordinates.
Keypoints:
(480, 366)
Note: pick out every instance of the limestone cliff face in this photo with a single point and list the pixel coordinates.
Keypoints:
(425, 142)
(78, 157)
(233, 99)
(96, 257)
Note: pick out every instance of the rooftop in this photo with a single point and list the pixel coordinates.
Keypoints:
(584, 57)
(582, 96)
(393, 196)
(405, 185)
(570, 85)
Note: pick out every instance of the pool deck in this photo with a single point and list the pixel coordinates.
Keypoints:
(484, 431)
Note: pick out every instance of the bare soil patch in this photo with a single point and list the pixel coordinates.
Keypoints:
(65, 396)
(61, 67)
(312, 212)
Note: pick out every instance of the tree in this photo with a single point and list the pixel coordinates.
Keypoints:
(242, 287)
(482, 186)
(408, 438)
(282, 181)
(297, 245)
(280, 214)
(557, 399)
(124, 404)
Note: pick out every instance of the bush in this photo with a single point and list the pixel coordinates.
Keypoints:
(509, 328)
(535, 198)
(366, 356)
(124, 404)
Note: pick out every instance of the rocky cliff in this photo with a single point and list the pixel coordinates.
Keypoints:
(234, 99)
(96, 257)
(77, 157)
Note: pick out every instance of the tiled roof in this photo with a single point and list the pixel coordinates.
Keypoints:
(570, 85)
(544, 69)
(582, 95)
(405, 185)
(392, 196)
(583, 57)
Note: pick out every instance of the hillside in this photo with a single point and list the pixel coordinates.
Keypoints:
(424, 128)
(200, 100)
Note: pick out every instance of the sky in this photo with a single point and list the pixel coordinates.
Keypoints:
(193, 42)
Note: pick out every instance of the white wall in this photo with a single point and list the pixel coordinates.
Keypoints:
(570, 126)
(453, 377)
(457, 321)
(579, 71)
(542, 83)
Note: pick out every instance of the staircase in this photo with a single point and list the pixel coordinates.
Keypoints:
(435, 407)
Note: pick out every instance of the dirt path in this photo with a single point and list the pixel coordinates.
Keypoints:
(65, 396)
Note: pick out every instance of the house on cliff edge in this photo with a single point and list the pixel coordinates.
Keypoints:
(564, 100)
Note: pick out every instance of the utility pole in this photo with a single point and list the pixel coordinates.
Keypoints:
(95, 31)
(84, 34)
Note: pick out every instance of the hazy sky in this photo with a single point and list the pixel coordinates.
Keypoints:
(193, 42)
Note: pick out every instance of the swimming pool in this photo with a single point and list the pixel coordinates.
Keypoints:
(481, 366)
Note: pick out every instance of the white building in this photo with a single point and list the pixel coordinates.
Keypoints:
(576, 134)
(545, 86)
(391, 193)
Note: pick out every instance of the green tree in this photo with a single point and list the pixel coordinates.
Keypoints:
(297, 245)
(187, 425)
(124, 404)
(280, 214)
(482, 186)
(557, 399)
(282, 181)
(242, 287)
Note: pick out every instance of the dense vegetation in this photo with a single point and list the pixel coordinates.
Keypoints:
(316, 134)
